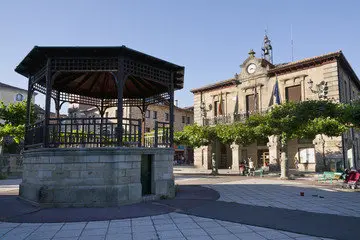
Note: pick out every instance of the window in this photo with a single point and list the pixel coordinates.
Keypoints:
(19, 97)
(293, 94)
(147, 129)
(251, 103)
(188, 120)
(147, 115)
(216, 105)
(306, 155)
(166, 117)
(219, 110)
(155, 115)
(183, 119)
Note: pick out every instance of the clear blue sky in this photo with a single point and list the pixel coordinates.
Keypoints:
(210, 38)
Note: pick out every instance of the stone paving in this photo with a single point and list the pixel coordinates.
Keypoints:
(173, 226)
(286, 194)
(254, 191)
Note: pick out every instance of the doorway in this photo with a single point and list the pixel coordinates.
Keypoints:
(263, 158)
(146, 174)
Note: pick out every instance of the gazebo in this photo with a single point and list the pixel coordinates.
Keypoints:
(97, 161)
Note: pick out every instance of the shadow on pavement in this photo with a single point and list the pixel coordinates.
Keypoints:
(12, 209)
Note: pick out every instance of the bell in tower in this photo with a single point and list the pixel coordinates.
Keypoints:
(267, 52)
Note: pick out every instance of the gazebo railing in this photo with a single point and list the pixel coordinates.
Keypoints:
(34, 135)
(84, 132)
(163, 139)
(160, 137)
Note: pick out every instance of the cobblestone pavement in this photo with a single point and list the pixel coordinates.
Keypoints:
(286, 194)
(171, 226)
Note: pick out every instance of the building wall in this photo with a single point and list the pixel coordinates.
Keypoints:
(8, 94)
(337, 81)
(135, 113)
(351, 139)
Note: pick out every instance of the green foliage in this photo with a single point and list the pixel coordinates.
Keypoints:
(323, 125)
(351, 113)
(224, 133)
(13, 116)
(306, 119)
(16, 132)
(194, 136)
(15, 113)
(289, 120)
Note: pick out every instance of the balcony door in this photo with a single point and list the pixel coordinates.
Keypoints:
(250, 104)
(293, 93)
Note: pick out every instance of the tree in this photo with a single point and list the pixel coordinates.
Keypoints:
(303, 120)
(13, 120)
(194, 136)
(351, 114)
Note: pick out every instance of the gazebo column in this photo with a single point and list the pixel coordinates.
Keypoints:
(120, 82)
(28, 101)
(102, 112)
(47, 103)
(171, 110)
(57, 105)
(28, 110)
(143, 118)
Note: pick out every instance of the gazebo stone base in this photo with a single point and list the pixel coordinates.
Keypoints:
(96, 177)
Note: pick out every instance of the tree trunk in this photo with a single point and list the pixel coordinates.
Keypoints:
(284, 161)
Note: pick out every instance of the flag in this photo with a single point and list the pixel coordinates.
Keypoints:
(276, 92)
(220, 105)
(236, 110)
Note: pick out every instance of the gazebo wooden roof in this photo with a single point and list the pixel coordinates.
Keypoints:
(88, 71)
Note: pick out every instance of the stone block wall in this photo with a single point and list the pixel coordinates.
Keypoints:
(93, 177)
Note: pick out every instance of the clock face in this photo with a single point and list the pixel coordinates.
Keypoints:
(251, 68)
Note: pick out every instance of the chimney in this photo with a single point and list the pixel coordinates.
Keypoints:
(176, 102)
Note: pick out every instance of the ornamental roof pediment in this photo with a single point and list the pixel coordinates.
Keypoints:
(260, 65)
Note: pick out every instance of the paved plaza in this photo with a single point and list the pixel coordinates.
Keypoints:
(286, 194)
(167, 226)
(241, 212)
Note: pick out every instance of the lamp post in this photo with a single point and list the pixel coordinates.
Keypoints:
(203, 108)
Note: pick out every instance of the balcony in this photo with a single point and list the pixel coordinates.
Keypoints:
(230, 118)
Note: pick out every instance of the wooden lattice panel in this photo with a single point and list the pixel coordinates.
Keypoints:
(84, 64)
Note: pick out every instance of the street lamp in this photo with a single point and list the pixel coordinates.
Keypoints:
(204, 109)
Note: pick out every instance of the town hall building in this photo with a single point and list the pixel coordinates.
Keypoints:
(258, 87)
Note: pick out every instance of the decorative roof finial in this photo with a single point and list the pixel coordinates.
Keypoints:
(252, 53)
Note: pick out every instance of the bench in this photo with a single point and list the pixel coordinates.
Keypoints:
(259, 171)
(329, 176)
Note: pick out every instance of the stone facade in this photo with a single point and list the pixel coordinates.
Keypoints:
(93, 177)
(328, 76)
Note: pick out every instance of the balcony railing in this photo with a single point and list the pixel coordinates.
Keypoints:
(230, 118)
